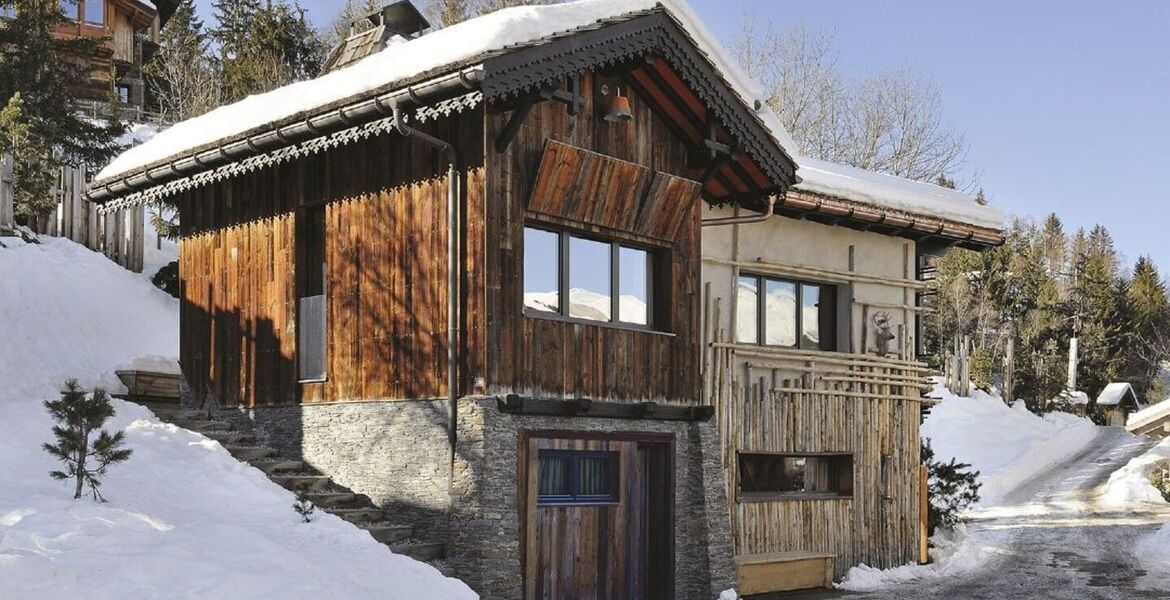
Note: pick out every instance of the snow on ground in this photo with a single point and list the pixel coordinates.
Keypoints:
(1130, 485)
(184, 520)
(1007, 444)
(953, 553)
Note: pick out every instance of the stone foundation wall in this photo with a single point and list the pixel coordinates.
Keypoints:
(485, 545)
(395, 452)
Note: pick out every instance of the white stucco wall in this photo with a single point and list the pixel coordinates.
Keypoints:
(789, 241)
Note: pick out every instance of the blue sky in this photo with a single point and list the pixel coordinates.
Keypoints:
(1064, 103)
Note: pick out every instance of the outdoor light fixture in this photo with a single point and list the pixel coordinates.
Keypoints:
(619, 109)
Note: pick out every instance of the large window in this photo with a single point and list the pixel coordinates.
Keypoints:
(586, 278)
(69, 8)
(769, 476)
(790, 314)
(577, 477)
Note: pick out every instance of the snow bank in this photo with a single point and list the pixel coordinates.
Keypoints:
(184, 520)
(1007, 445)
(953, 553)
(68, 311)
(859, 185)
(1130, 485)
(446, 47)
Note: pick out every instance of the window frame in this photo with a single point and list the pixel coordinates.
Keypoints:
(761, 311)
(564, 236)
(773, 496)
(574, 497)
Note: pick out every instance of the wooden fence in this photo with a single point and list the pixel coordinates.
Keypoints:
(118, 235)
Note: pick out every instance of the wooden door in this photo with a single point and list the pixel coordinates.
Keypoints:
(598, 519)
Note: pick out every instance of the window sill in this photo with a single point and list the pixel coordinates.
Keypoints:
(751, 497)
(550, 316)
(571, 504)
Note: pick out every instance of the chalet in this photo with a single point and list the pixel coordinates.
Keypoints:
(125, 33)
(476, 277)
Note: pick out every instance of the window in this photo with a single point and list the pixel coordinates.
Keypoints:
(311, 309)
(577, 477)
(790, 314)
(7, 12)
(95, 12)
(70, 8)
(768, 476)
(123, 92)
(585, 278)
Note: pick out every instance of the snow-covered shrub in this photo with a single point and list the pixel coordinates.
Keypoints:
(78, 415)
(951, 488)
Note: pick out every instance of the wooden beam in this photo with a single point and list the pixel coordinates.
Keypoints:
(584, 407)
(512, 127)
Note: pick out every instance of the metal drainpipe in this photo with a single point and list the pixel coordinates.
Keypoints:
(453, 246)
(764, 216)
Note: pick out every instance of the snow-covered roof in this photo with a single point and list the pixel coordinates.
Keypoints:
(888, 191)
(468, 42)
(459, 44)
(1114, 393)
(1077, 397)
(1149, 414)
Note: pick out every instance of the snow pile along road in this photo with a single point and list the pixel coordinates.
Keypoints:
(1130, 485)
(184, 520)
(1008, 445)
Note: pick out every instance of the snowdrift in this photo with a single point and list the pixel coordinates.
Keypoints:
(184, 518)
(1008, 445)
(1130, 485)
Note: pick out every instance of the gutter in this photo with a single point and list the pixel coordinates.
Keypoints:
(349, 115)
(454, 245)
(756, 218)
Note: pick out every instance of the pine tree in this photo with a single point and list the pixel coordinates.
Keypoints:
(264, 47)
(42, 130)
(182, 76)
(1149, 326)
(78, 415)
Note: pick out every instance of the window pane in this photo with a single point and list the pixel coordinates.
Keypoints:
(745, 311)
(779, 313)
(69, 7)
(95, 11)
(541, 267)
(810, 321)
(633, 304)
(596, 477)
(793, 479)
(554, 480)
(589, 279)
(780, 474)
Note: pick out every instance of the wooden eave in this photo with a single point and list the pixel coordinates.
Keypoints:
(656, 57)
(861, 216)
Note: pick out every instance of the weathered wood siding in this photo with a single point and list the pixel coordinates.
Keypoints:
(552, 358)
(386, 255)
(864, 406)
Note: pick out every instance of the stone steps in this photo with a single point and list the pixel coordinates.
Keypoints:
(295, 475)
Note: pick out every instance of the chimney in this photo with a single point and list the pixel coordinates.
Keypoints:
(370, 34)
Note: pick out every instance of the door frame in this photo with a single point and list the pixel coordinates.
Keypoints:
(525, 518)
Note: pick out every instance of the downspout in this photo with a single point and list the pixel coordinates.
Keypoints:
(756, 218)
(453, 247)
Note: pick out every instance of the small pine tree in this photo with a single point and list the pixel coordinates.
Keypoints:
(78, 415)
(951, 489)
(304, 506)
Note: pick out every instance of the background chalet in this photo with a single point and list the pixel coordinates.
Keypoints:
(469, 278)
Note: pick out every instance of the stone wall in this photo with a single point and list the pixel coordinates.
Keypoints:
(485, 545)
(395, 452)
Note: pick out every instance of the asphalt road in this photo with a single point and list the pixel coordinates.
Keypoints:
(1053, 540)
